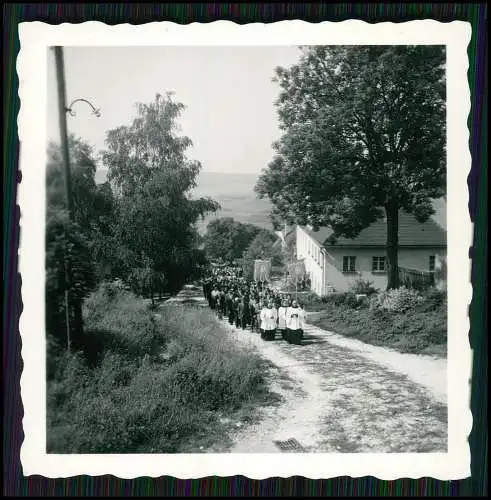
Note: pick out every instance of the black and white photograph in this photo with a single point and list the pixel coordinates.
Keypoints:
(247, 254)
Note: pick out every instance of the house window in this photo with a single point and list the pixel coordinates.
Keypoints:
(378, 264)
(432, 264)
(349, 264)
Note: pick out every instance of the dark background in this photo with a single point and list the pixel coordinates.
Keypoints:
(15, 484)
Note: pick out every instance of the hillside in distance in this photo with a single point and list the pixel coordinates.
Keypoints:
(235, 193)
(236, 196)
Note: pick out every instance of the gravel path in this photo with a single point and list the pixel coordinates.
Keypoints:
(341, 395)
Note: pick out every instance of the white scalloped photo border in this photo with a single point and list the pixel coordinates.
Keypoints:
(35, 38)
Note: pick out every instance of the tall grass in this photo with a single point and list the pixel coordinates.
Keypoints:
(145, 384)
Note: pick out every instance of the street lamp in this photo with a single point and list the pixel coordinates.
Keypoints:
(63, 109)
(95, 111)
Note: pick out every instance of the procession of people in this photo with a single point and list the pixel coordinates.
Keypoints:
(253, 305)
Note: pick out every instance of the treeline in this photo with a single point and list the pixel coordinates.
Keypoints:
(233, 241)
(138, 227)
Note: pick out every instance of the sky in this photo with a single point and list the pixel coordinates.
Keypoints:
(228, 94)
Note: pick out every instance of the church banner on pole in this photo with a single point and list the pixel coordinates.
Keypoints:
(296, 270)
(262, 269)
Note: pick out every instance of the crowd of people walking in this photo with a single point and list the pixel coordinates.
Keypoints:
(253, 305)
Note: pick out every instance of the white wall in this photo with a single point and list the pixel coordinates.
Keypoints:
(417, 258)
(325, 266)
(311, 252)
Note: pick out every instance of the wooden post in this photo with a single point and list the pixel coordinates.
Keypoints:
(62, 110)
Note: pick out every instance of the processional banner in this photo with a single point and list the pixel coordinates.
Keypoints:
(296, 270)
(262, 270)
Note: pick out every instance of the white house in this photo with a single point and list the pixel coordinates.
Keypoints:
(334, 265)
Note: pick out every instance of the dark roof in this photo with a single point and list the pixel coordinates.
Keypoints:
(321, 235)
(411, 233)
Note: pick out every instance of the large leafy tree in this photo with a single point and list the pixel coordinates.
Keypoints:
(264, 246)
(363, 137)
(76, 241)
(228, 239)
(93, 203)
(153, 178)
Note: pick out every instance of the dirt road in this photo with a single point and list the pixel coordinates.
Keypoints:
(339, 395)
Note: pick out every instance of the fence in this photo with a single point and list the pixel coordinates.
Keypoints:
(416, 279)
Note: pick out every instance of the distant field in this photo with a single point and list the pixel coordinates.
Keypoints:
(235, 193)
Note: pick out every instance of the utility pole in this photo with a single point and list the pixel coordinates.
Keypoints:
(62, 110)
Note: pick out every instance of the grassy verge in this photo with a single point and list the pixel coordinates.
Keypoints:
(422, 330)
(148, 385)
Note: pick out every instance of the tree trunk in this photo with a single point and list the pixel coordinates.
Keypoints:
(392, 212)
(78, 324)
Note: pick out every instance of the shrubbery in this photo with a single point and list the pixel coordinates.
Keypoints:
(433, 299)
(311, 298)
(398, 299)
(363, 287)
(145, 385)
(402, 319)
(338, 299)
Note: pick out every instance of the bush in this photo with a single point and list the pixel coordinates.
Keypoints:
(433, 299)
(116, 321)
(54, 349)
(364, 287)
(328, 299)
(413, 330)
(156, 384)
(105, 294)
(311, 298)
(339, 299)
(350, 300)
(397, 300)
(65, 238)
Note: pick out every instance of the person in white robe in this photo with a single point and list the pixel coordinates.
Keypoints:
(295, 318)
(269, 319)
(282, 318)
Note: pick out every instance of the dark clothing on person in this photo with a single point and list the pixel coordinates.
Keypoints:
(244, 314)
(229, 306)
(294, 336)
(236, 313)
(253, 316)
(228, 284)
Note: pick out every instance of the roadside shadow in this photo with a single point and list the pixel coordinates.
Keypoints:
(313, 339)
(99, 342)
(306, 342)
